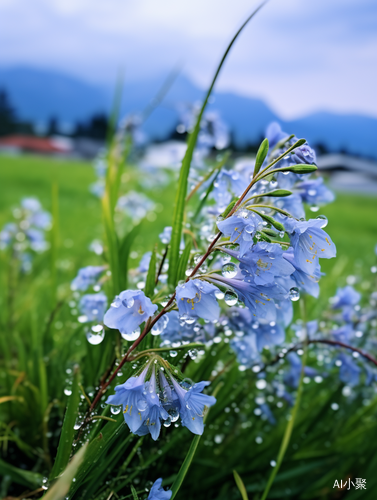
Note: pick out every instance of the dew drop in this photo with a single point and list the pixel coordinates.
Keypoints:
(231, 298)
(95, 338)
(131, 336)
(115, 410)
(294, 294)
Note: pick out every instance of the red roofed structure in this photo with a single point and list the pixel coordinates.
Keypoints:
(31, 144)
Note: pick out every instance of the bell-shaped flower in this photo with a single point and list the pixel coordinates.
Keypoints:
(310, 243)
(93, 306)
(196, 299)
(158, 493)
(192, 405)
(241, 230)
(306, 282)
(86, 277)
(154, 411)
(129, 309)
(130, 396)
(264, 263)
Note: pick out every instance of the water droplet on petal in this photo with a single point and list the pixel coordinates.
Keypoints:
(131, 336)
(231, 298)
(294, 294)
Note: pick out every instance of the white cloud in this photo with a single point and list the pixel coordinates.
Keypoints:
(298, 56)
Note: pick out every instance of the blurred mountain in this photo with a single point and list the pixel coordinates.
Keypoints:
(38, 95)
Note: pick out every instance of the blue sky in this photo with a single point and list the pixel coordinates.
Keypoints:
(299, 56)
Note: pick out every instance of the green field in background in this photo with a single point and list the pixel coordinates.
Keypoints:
(352, 218)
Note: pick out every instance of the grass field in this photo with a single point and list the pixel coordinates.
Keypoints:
(352, 218)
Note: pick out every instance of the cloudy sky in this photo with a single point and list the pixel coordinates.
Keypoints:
(299, 56)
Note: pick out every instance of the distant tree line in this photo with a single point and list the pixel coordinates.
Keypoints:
(94, 128)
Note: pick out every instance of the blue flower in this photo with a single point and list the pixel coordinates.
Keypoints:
(268, 335)
(346, 296)
(129, 309)
(93, 306)
(301, 155)
(274, 134)
(315, 192)
(264, 262)
(31, 204)
(292, 377)
(259, 299)
(144, 262)
(154, 411)
(36, 239)
(343, 333)
(165, 237)
(304, 281)
(158, 493)
(130, 396)
(227, 184)
(349, 371)
(86, 277)
(192, 405)
(310, 242)
(246, 349)
(241, 230)
(291, 204)
(179, 330)
(196, 299)
(8, 234)
(266, 410)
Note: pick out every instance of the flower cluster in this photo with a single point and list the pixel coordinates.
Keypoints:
(152, 398)
(28, 233)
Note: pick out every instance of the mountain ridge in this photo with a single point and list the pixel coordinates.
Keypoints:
(40, 94)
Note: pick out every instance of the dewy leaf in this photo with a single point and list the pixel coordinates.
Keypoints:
(27, 478)
(180, 198)
(240, 485)
(60, 489)
(151, 276)
(261, 156)
(68, 432)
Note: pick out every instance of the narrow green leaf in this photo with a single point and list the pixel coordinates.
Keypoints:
(27, 478)
(68, 432)
(151, 276)
(183, 261)
(60, 489)
(229, 208)
(54, 236)
(271, 220)
(261, 156)
(205, 197)
(180, 198)
(112, 243)
(264, 237)
(134, 493)
(124, 253)
(240, 485)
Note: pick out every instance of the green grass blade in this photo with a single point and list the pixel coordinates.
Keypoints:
(183, 261)
(112, 244)
(124, 253)
(180, 198)
(288, 429)
(240, 485)
(151, 276)
(134, 493)
(68, 432)
(54, 236)
(27, 478)
(60, 489)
